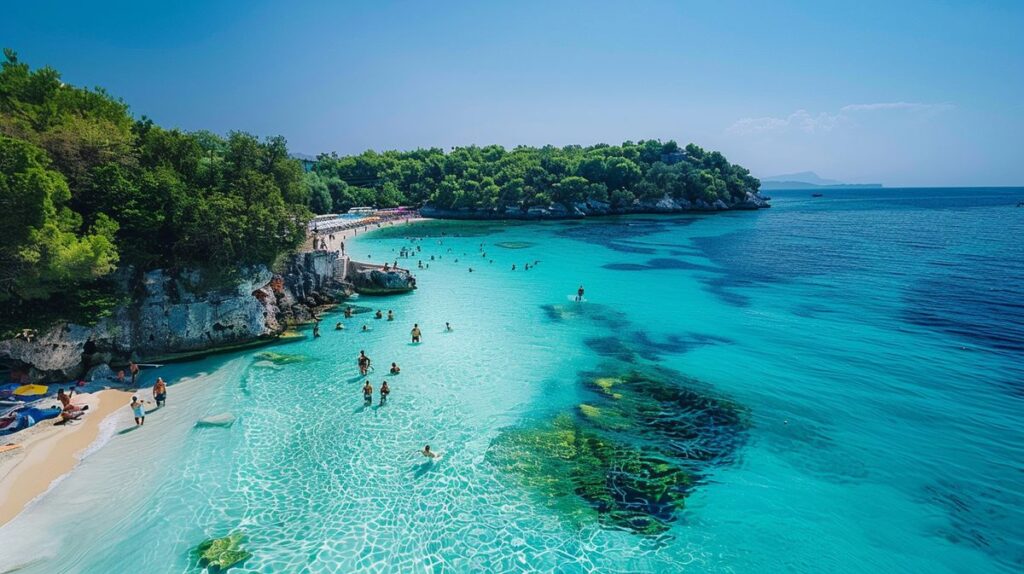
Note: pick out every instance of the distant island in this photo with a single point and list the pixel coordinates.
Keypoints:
(808, 180)
(491, 182)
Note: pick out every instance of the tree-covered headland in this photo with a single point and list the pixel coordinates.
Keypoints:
(86, 188)
(494, 178)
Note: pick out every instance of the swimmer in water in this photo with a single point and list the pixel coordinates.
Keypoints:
(338, 326)
(378, 315)
(416, 333)
(448, 326)
(391, 315)
(395, 369)
(427, 452)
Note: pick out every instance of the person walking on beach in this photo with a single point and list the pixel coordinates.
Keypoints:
(364, 363)
(367, 392)
(416, 333)
(579, 294)
(139, 410)
(134, 370)
(160, 392)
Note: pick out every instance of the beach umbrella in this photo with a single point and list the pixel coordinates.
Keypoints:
(31, 391)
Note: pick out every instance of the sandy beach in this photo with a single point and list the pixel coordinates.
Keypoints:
(49, 451)
(349, 236)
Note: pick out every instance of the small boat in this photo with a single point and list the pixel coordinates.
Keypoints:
(817, 194)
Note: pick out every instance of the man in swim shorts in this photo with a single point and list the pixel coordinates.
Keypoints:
(385, 390)
(367, 392)
(416, 333)
(160, 392)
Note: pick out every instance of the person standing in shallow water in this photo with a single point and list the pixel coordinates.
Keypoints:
(579, 294)
(367, 392)
(416, 333)
(160, 392)
(139, 410)
(134, 370)
(385, 390)
(364, 363)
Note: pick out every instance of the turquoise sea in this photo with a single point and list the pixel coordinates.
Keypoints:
(832, 385)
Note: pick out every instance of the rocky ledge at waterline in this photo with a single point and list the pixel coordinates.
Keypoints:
(174, 314)
(666, 204)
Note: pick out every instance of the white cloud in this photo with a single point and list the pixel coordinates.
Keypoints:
(884, 106)
(825, 121)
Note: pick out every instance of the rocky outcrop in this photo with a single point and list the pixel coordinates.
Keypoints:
(369, 279)
(593, 208)
(176, 313)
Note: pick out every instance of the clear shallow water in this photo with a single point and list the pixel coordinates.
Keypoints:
(874, 337)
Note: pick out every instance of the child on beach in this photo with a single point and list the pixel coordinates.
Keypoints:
(139, 410)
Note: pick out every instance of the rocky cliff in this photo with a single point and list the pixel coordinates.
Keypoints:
(666, 204)
(369, 279)
(174, 313)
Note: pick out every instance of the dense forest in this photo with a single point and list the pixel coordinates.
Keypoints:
(85, 189)
(492, 177)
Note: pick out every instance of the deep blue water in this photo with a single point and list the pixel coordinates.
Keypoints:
(840, 378)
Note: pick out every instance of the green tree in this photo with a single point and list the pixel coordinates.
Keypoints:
(41, 249)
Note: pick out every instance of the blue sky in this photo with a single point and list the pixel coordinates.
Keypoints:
(902, 92)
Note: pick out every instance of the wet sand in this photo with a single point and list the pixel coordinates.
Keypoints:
(49, 451)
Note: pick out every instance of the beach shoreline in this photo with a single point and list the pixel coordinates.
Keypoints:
(49, 452)
(350, 236)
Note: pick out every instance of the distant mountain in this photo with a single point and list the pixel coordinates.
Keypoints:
(802, 177)
(807, 180)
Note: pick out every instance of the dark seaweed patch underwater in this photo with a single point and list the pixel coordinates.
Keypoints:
(629, 456)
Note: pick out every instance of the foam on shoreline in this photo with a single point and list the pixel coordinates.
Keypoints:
(53, 451)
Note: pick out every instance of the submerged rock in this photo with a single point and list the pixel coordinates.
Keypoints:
(221, 420)
(280, 358)
(628, 458)
(219, 554)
